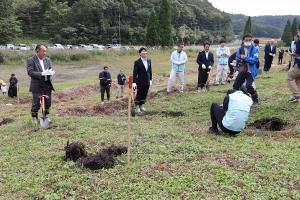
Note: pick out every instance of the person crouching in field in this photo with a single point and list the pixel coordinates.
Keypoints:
(247, 58)
(223, 54)
(121, 79)
(105, 83)
(178, 60)
(205, 61)
(232, 115)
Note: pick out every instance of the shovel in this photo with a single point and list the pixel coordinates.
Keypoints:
(44, 121)
(208, 80)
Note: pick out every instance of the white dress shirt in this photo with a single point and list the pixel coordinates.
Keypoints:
(206, 53)
(145, 62)
(42, 64)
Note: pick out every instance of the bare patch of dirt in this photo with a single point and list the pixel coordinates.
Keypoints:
(5, 121)
(111, 108)
(270, 123)
(73, 93)
(173, 113)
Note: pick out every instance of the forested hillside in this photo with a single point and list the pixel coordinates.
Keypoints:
(263, 26)
(82, 21)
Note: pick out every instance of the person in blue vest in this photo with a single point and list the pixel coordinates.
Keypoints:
(223, 54)
(178, 60)
(247, 59)
(232, 115)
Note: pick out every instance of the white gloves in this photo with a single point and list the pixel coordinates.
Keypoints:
(271, 54)
(48, 72)
(209, 67)
(134, 86)
(150, 82)
(203, 66)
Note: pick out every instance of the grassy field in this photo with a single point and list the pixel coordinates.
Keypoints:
(173, 157)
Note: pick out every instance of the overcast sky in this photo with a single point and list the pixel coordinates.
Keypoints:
(258, 7)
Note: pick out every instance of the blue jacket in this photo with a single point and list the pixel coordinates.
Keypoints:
(238, 111)
(178, 61)
(252, 59)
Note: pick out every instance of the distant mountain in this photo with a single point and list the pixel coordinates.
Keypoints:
(263, 26)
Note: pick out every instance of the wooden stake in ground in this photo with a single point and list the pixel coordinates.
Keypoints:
(129, 119)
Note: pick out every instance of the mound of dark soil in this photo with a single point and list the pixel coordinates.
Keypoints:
(270, 123)
(5, 121)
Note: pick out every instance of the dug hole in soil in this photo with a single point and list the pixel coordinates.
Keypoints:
(270, 124)
(5, 121)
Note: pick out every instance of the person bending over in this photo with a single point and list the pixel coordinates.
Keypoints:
(233, 115)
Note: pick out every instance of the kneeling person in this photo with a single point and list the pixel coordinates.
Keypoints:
(232, 117)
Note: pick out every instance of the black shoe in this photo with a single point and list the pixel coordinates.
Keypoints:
(214, 131)
(255, 104)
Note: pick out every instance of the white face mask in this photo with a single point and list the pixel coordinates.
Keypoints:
(247, 44)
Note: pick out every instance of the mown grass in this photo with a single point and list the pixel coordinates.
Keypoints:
(172, 157)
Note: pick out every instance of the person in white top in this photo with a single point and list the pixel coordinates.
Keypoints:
(223, 54)
(178, 60)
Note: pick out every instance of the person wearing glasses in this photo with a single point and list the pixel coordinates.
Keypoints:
(247, 59)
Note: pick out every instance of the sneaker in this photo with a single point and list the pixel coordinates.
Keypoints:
(137, 109)
(294, 99)
(142, 108)
(203, 89)
(214, 131)
(102, 102)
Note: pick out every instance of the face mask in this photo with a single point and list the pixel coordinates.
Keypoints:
(247, 44)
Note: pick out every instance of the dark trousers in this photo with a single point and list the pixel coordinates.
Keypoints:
(104, 89)
(36, 105)
(12, 91)
(217, 114)
(202, 77)
(240, 79)
(141, 95)
(280, 60)
(268, 63)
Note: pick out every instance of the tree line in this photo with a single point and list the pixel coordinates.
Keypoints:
(113, 21)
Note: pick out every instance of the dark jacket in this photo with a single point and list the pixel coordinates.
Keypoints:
(105, 78)
(34, 70)
(121, 79)
(201, 59)
(268, 50)
(13, 81)
(280, 53)
(140, 76)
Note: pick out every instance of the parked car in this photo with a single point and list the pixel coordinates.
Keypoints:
(116, 46)
(10, 46)
(86, 47)
(22, 47)
(97, 46)
(33, 46)
(58, 46)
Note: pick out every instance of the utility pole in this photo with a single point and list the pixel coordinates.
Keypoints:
(119, 28)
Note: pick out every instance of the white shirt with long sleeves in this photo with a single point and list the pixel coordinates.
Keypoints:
(145, 62)
(42, 64)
